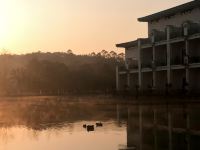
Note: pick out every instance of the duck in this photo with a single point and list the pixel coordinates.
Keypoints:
(99, 124)
(90, 128)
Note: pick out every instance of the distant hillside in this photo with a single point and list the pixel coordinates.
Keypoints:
(58, 73)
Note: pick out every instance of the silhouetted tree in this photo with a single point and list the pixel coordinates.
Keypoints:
(103, 53)
(113, 54)
(69, 52)
(121, 56)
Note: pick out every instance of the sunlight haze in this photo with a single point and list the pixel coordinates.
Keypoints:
(80, 25)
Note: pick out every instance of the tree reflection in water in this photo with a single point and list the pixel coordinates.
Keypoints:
(149, 126)
(45, 119)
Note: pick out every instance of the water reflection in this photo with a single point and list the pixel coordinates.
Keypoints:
(43, 114)
(51, 123)
(166, 127)
(58, 124)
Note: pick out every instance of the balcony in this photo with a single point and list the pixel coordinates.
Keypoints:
(194, 28)
(133, 66)
(161, 63)
(146, 65)
(158, 36)
(122, 68)
(126, 69)
(177, 53)
(194, 59)
(177, 61)
(176, 32)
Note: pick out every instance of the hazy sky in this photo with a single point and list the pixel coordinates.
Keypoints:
(81, 25)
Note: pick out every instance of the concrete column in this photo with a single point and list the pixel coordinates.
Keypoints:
(117, 78)
(154, 65)
(139, 64)
(187, 54)
(128, 80)
(168, 56)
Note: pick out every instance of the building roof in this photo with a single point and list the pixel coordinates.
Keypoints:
(133, 43)
(172, 11)
(127, 44)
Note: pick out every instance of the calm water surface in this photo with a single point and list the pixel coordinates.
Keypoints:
(57, 124)
(51, 123)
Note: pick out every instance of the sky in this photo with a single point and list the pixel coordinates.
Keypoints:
(84, 26)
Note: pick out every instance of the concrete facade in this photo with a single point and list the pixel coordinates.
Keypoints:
(169, 59)
(175, 20)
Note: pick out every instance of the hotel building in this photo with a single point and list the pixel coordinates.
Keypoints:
(169, 59)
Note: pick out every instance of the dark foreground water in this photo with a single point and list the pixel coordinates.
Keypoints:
(51, 123)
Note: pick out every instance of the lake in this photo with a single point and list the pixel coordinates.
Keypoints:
(60, 123)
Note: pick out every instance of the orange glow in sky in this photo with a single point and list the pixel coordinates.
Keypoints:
(81, 25)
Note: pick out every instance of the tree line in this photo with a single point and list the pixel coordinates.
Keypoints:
(58, 73)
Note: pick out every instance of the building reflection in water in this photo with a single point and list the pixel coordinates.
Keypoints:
(166, 127)
(149, 127)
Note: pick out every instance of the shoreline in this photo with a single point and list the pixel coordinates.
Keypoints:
(106, 99)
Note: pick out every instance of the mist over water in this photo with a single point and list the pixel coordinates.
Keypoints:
(52, 123)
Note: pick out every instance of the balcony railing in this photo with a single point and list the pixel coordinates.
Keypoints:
(194, 28)
(146, 65)
(180, 60)
(133, 66)
(122, 68)
(161, 63)
(176, 32)
(129, 67)
(174, 61)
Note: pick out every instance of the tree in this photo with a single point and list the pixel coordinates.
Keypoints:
(50, 72)
(103, 53)
(121, 56)
(69, 52)
(113, 54)
(93, 54)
